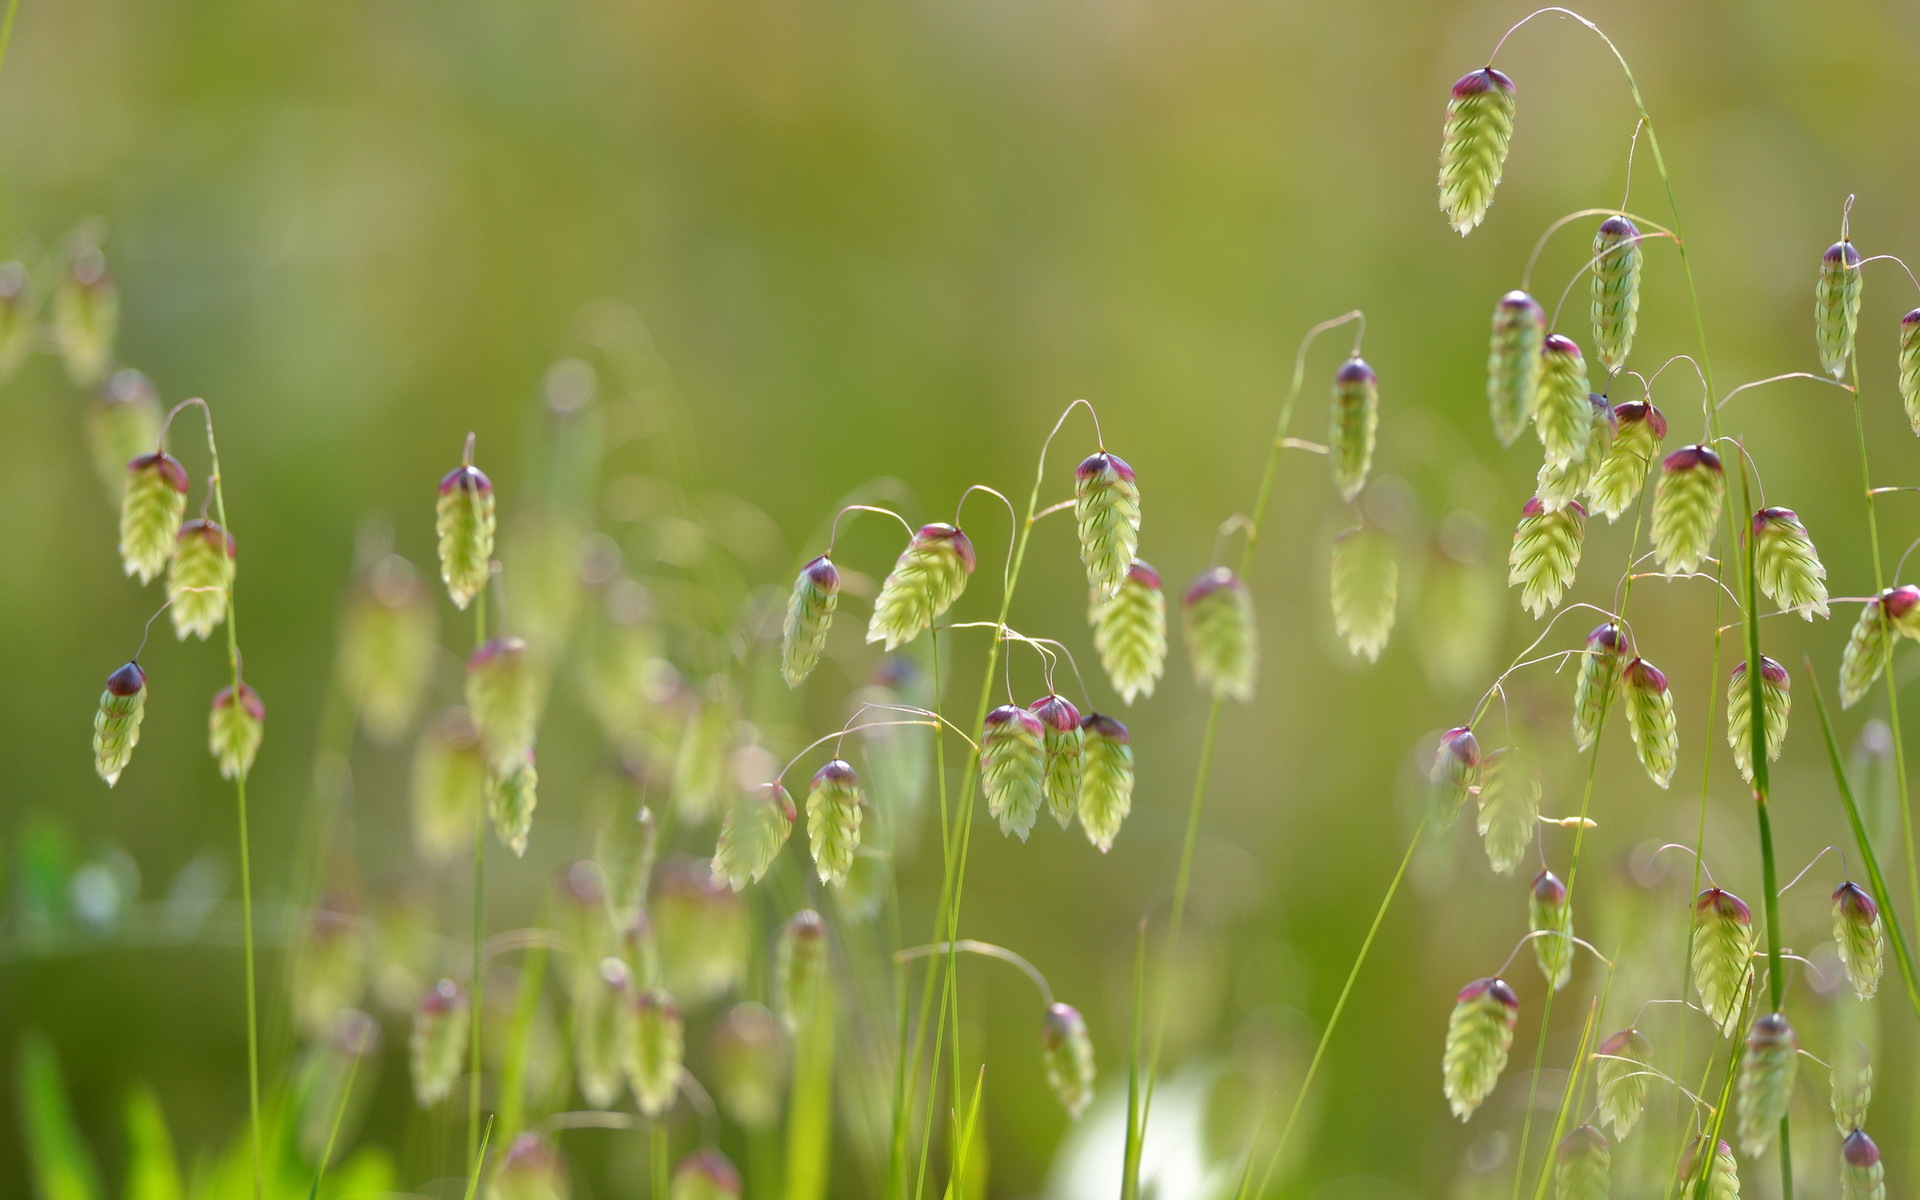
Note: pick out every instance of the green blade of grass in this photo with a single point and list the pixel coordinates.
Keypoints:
(63, 1169)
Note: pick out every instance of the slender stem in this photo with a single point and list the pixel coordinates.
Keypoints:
(479, 933)
(985, 950)
(657, 1156)
(6, 29)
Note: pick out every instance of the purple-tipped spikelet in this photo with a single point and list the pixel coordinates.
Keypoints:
(1597, 681)
(1365, 584)
(1871, 642)
(1545, 554)
(199, 574)
(1909, 366)
(1066, 1050)
(584, 919)
(154, 500)
(1106, 783)
(1621, 1070)
(1479, 1035)
(1509, 807)
(1776, 700)
(116, 726)
(704, 929)
(1722, 955)
(1836, 306)
(1013, 761)
(1767, 1068)
(654, 1049)
(1065, 743)
(835, 806)
(1513, 363)
(123, 421)
(602, 1026)
(809, 615)
(1354, 423)
(1106, 506)
(327, 969)
(502, 696)
(464, 523)
(448, 786)
(1550, 913)
(86, 316)
(1852, 1085)
(388, 648)
(1130, 632)
(799, 966)
(512, 795)
(1616, 482)
(749, 1065)
(19, 305)
(1562, 415)
(1857, 928)
(234, 730)
(1785, 564)
(1455, 769)
(1221, 636)
(1650, 719)
(531, 1170)
(1861, 1175)
(929, 576)
(1615, 305)
(1473, 146)
(1582, 1165)
(1686, 508)
(705, 1175)
(752, 832)
(1558, 486)
(1722, 1170)
(439, 1038)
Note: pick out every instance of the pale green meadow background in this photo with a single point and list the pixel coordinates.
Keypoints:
(896, 239)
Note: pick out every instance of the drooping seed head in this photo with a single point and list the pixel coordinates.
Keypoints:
(1557, 485)
(1479, 1035)
(531, 1170)
(388, 647)
(1582, 1165)
(1551, 916)
(1354, 424)
(1106, 785)
(18, 308)
(1066, 1050)
(1562, 416)
(1909, 366)
(151, 505)
(928, 577)
(654, 1051)
(602, 1028)
(752, 833)
(1651, 720)
(1686, 508)
(708, 734)
(234, 730)
(1509, 807)
(512, 795)
(1722, 1169)
(116, 726)
(1473, 146)
(1776, 700)
(809, 615)
(1615, 482)
(1456, 765)
(1222, 638)
(439, 1038)
(86, 316)
(835, 807)
(1130, 632)
(1767, 1070)
(1513, 363)
(199, 576)
(704, 931)
(1012, 767)
(1064, 743)
(1620, 1068)
(749, 1065)
(705, 1175)
(1596, 682)
(1722, 954)
(447, 787)
(1364, 581)
(1836, 306)
(1786, 565)
(464, 523)
(502, 695)
(1615, 302)
(123, 420)
(1871, 642)
(800, 961)
(1546, 553)
(1862, 1177)
(1857, 929)
(1106, 509)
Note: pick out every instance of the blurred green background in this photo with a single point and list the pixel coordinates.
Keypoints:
(896, 240)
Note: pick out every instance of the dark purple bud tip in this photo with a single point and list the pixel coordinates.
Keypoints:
(249, 700)
(1897, 602)
(1560, 343)
(1096, 465)
(1013, 714)
(1766, 518)
(1631, 411)
(712, 1167)
(530, 1152)
(1609, 638)
(441, 997)
(1686, 458)
(1497, 988)
(807, 925)
(506, 647)
(1486, 79)
(653, 1000)
(1056, 712)
(1354, 370)
(127, 681)
(1619, 227)
(822, 574)
(1603, 411)
(1841, 254)
(838, 772)
(1859, 1151)
(1644, 675)
(939, 531)
(1143, 574)
(1460, 742)
(1063, 1021)
(1581, 1142)
(1619, 1044)
(1722, 903)
(775, 794)
(1519, 301)
(468, 478)
(1910, 320)
(166, 465)
(1212, 580)
(1101, 725)
(1548, 889)
(1853, 903)
(1771, 1028)
(206, 530)
(1532, 508)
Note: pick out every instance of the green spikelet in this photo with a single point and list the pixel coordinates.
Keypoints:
(809, 615)
(1615, 483)
(1509, 807)
(602, 1029)
(1776, 699)
(1479, 1034)
(1473, 146)
(1620, 1069)
(86, 316)
(1130, 632)
(1354, 422)
(1722, 955)
(18, 308)
(1365, 582)
(1106, 783)
(1723, 1170)
(116, 727)
(1582, 1165)
(1857, 928)
(1557, 486)
(447, 787)
(1562, 414)
(1106, 505)
(800, 961)
(198, 577)
(1455, 769)
(752, 833)
(1767, 1069)
(1785, 564)
(929, 576)
(123, 421)
(1459, 615)
(1065, 743)
(439, 1039)
(501, 695)
(1545, 554)
(151, 506)
(1649, 705)
(1221, 636)
(1872, 638)
(464, 523)
(1836, 306)
(654, 1048)
(1596, 682)
(1066, 1050)
(1861, 1175)
(1513, 363)
(531, 1169)
(705, 1175)
(700, 762)
(749, 1065)
(1686, 508)
(1550, 913)
(1012, 764)
(512, 795)
(1852, 1085)
(1910, 366)
(835, 806)
(388, 646)
(1615, 305)
(234, 730)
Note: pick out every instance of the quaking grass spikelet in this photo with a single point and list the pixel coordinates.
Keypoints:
(1722, 1170)
(1562, 415)
(86, 316)
(1767, 1068)
(1013, 762)
(1615, 305)
(512, 795)
(1557, 486)
(1513, 363)
(447, 787)
(1649, 705)
(809, 615)
(1473, 146)
(1365, 584)
(531, 1169)
(1596, 682)
(464, 523)
(1065, 745)
(234, 730)
(1776, 701)
(835, 806)
(1221, 637)
(501, 696)
(1836, 306)
(929, 576)
(439, 1038)
(198, 577)
(1066, 1050)
(116, 727)
(1130, 632)
(1851, 1088)
(1479, 1035)
(1509, 807)
(1106, 507)
(1722, 955)
(388, 645)
(1582, 1165)
(655, 1046)
(1892, 611)
(1621, 1070)
(1909, 366)
(1861, 1175)
(123, 421)
(1550, 913)
(800, 962)
(749, 1065)
(705, 1175)
(1862, 940)
(1545, 554)
(1106, 782)
(1616, 482)
(154, 500)
(602, 1029)
(1455, 769)
(1354, 423)
(19, 306)
(1686, 508)
(752, 833)
(1786, 566)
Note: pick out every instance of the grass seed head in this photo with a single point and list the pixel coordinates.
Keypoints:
(1354, 425)
(1106, 506)
(1836, 306)
(800, 963)
(704, 932)
(1776, 700)
(123, 421)
(1723, 1170)
(199, 576)
(1065, 744)
(531, 1170)
(1686, 508)
(1596, 681)
(388, 647)
(928, 577)
(1479, 1035)
(835, 806)
(1861, 1175)
(1106, 783)
(1013, 762)
(1130, 632)
(1550, 912)
(1582, 1165)
(705, 1175)
(1545, 554)
(1767, 1068)
(1562, 415)
(447, 788)
(1722, 955)
(1066, 1050)
(438, 1041)
(1455, 769)
(464, 523)
(752, 832)
(1557, 486)
(1473, 146)
(1365, 586)
(1509, 807)
(809, 615)
(706, 747)
(1513, 363)
(86, 316)
(116, 726)
(512, 795)
(1870, 643)
(655, 1049)
(1786, 566)
(1615, 305)
(749, 1065)
(602, 1022)
(1909, 367)
(502, 696)
(234, 730)
(1621, 1070)
(1857, 928)
(1650, 719)
(1616, 481)
(1221, 636)
(151, 506)
(1851, 1086)
(19, 306)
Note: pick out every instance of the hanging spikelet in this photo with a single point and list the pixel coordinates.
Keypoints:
(1861, 1175)
(1836, 306)
(512, 795)
(198, 577)
(656, 1044)
(1550, 913)
(1066, 1050)
(1621, 1069)
(501, 695)
(1776, 700)
(1354, 422)
(705, 1175)
(602, 1029)
(706, 745)
(1722, 955)
(1722, 1170)
(116, 727)
(1479, 1034)
(1221, 637)
(800, 961)
(234, 730)
(1012, 764)
(1545, 554)
(1509, 807)
(1562, 415)
(1106, 784)
(1785, 564)
(123, 421)
(1686, 508)
(1130, 632)
(1513, 363)
(835, 806)
(86, 316)
(1852, 1085)
(751, 834)
(439, 1037)
(531, 1169)
(1557, 486)
(1065, 744)
(1649, 705)
(1473, 146)
(1106, 504)
(447, 787)
(1856, 927)
(1455, 769)
(1365, 582)
(151, 506)
(749, 1065)
(809, 615)
(1872, 639)
(929, 576)
(388, 648)
(1910, 366)
(18, 308)
(1766, 1081)
(1615, 483)
(464, 523)
(1582, 1165)
(1596, 682)
(1615, 305)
